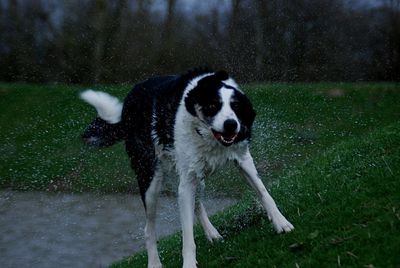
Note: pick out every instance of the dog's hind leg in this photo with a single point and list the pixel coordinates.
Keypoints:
(149, 176)
(210, 231)
(151, 198)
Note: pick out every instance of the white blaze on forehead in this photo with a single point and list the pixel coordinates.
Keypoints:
(226, 95)
(231, 82)
(226, 111)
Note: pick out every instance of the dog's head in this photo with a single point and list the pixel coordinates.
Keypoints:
(222, 108)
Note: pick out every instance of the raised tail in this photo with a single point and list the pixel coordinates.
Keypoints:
(107, 128)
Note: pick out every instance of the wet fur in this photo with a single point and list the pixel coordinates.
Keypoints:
(192, 123)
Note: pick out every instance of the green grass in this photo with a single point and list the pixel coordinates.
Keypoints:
(41, 148)
(41, 124)
(328, 152)
(344, 203)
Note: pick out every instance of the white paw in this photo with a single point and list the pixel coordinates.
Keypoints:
(189, 263)
(281, 224)
(154, 262)
(212, 234)
(154, 265)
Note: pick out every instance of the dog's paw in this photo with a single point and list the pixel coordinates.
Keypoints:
(154, 265)
(190, 263)
(212, 234)
(281, 224)
(214, 237)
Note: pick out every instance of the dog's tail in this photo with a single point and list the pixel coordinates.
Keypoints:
(107, 128)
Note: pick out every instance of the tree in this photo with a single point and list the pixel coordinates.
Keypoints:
(261, 47)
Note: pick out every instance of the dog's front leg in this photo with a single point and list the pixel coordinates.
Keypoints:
(186, 192)
(248, 168)
(211, 233)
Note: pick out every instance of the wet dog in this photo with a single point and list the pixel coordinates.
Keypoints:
(191, 123)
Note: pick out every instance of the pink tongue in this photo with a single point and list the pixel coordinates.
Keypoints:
(217, 135)
(230, 137)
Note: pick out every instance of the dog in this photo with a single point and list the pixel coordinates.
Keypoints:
(190, 123)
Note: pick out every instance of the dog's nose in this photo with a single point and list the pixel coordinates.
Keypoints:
(230, 125)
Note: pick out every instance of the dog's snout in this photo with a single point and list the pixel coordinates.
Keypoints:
(230, 125)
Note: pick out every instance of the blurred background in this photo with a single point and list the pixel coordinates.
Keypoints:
(122, 41)
(326, 145)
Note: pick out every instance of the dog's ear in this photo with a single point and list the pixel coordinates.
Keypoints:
(245, 112)
(222, 75)
(248, 113)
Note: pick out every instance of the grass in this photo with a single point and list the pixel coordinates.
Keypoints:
(330, 152)
(41, 124)
(41, 149)
(344, 202)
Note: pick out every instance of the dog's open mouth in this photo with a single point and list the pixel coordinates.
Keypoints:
(224, 138)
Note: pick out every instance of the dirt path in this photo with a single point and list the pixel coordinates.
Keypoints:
(78, 230)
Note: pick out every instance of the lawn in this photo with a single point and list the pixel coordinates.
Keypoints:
(344, 203)
(41, 148)
(41, 124)
(329, 153)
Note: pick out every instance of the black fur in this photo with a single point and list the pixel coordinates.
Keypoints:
(246, 114)
(100, 133)
(149, 111)
(205, 95)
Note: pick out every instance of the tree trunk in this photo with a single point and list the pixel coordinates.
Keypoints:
(260, 29)
(166, 51)
(99, 43)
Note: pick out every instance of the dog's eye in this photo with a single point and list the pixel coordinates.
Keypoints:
(212, 106)
(235, 105)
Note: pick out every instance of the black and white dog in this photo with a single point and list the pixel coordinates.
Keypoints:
(191, 123)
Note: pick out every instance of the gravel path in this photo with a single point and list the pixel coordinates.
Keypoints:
(78, 230)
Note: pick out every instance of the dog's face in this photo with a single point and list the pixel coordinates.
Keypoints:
(222, 108)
